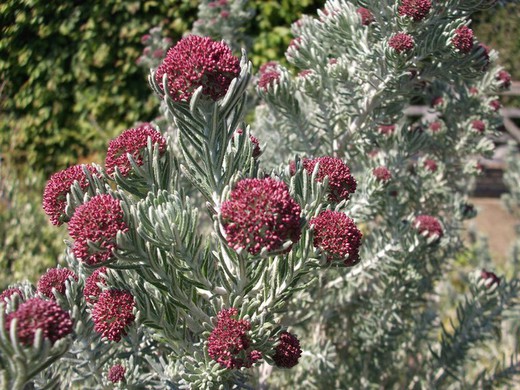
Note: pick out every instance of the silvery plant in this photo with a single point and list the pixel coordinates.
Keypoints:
(309, 250)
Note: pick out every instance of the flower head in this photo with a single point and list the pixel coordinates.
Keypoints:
(229, 343)
(268, 79)
(198, 62)
(288, 351)
(57, 188)
(505, 78)
(428, 225)
(490, 279)
(435, 126)
(338, 236)
(341, 182)
(401, 42)
(260, 214)
(430, 165)
(366, 16)
(386, 129)
(382, 174)
(91, 291)
(415, 9)
(131, 141)
(97, 221)
(116, 373)
(113, 313)
(37, 313)
(478, 125)
(463, 39)
(8, 293)
(55, 278)
(495, 104)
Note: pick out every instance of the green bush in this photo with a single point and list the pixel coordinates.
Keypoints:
(68, 73)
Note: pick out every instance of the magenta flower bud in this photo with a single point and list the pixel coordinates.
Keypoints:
(386, 129)
(146, 39)
(55, 278)
(8, 293)
(268, 79)
(428, 225)
(260, 214)
(288, 351)
(338, 236)
(113, 313)
(229, 343)
(57, 188)
(430, 165)
(463, 39)
(478, 125)
(366, 16)
(133, 142)
(401, 43)
(435, 126)
(415, 9)
(490, 279)
(91, 291)
(495, 105)
(382, 174)
(116, 373)
(36, 313)
(505, 78)
(196, 61)
(341, 182)
(97, 221)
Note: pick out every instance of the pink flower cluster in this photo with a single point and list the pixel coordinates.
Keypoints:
(37, 313)
(463, 39)
(382, 174)
(401, 42)
(57, 188)
(113, 313)
(55, 278)
(415, 9)
(428, 225)
(91, 290)
(198, 61)
(116, 373)
(131, 141)
(505, 78)
(341, 182)
(337, 235)
(288, 351)
(260, 214)
(386, 129)
(229, 343)
(366, 16)
(269, 75)
(97, 221)
(478, 126)
(490, 278)
(8, 293)
(430, 165)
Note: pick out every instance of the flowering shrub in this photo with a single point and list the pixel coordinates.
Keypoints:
(347, 255)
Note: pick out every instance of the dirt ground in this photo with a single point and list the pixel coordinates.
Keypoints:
(495, 222)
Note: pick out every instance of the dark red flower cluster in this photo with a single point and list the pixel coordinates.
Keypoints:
(495, 105)
(386, 129)
(97, 221)
(37, 313)
(198, 61)
(478, 126)
(341, 182)
(113, 313)
(57, 188)
(429, 225)
(463, 39)
(505, 78)
(435, 126)
(91, 291)
(55, 278)
(288, 351)
(437, 101)
(131, 141)
(415, 9)
(366, 16)
(116, 373)
(490, 278)
(269, 75)
(229, 343)
(338, 236)
(401, 42)
(260, 214)
(430, 165)
(382, 174)
(7, 293)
